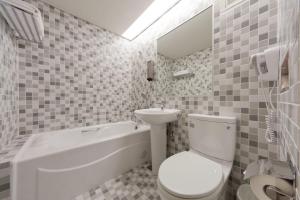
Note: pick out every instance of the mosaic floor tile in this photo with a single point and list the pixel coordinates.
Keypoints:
(136, 184)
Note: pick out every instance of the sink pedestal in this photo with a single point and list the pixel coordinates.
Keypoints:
(158, 145)
(158, 119)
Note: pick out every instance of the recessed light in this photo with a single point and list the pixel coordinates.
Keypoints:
(157, 9)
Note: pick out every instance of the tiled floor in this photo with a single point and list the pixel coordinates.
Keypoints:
(137, 184)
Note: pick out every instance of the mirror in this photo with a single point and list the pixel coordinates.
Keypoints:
(184, 58)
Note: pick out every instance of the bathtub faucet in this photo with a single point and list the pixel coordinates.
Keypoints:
(163, 105)
(136, 126)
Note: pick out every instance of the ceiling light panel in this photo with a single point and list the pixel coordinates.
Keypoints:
(148, 17)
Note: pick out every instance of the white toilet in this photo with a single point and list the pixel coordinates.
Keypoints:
(201, 172)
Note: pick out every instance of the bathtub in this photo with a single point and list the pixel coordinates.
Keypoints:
(62, 164)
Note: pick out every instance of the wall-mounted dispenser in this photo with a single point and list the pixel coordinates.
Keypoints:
(24, 18)
(150, 70)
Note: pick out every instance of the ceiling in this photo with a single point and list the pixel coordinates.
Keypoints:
(113, 15)
(188, 38)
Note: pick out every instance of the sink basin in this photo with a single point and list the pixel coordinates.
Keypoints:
(157, 115)
(158, 119)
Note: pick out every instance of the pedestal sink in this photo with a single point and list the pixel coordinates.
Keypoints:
(158, 119)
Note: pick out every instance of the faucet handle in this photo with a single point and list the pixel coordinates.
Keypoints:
(136, 126)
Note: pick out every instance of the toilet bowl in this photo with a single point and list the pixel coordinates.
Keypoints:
(200, 173)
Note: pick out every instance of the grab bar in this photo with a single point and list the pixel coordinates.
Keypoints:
(91, 130)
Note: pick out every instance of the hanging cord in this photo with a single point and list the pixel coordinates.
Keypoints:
(271, 117)
(270, 97)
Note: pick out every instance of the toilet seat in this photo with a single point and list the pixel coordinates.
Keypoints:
(189, 175)
(164, 195)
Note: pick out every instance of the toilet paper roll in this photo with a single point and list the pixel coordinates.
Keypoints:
(258, 183)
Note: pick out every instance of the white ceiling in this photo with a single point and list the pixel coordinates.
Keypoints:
(113, 15)
(192, 36)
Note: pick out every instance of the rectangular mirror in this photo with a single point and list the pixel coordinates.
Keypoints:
(184, 58)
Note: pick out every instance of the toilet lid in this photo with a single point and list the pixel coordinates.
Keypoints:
(190, 175)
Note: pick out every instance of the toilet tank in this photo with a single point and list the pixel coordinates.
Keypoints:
(213, 135)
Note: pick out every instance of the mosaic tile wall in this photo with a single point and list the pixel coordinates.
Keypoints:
(78, 75)
(289, 101)
(245, 29)
(8, 85)
(163, 80)
(200, 83)
(141, 90)
(8, 99)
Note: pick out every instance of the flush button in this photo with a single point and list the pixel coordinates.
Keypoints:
(228, 127)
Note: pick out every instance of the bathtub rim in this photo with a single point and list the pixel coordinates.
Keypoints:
(18, 157)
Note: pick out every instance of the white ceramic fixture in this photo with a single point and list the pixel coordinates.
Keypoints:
(62, 164)
(158, 119)
(201, 173)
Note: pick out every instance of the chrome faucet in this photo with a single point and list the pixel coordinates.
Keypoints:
(163, 105)
(136, 126)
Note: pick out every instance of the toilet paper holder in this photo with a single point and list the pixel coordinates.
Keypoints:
(266, 187)
(278, 169)
(271, 179)
(275, 193)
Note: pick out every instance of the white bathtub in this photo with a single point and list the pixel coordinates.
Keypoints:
(62, 164)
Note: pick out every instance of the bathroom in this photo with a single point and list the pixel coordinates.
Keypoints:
(75, 97)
